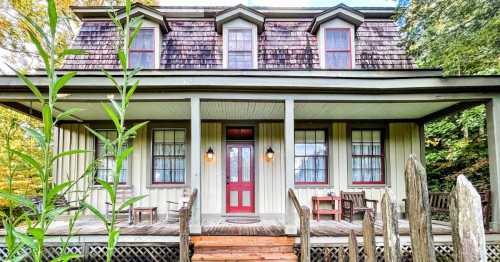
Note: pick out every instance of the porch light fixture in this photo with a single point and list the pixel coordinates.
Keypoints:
(210, 154)
(269, 153)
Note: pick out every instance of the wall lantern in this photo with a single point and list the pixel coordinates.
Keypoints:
(210, 154)
(269, 153)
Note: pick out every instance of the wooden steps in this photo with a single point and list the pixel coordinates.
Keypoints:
(243, 248)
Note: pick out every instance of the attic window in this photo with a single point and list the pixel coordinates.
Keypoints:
(142, 50)
(338, 48)
(239, 51)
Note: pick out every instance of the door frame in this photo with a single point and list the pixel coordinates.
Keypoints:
(252, 177)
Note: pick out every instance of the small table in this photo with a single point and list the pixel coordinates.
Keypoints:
(153, 213)
(335, 211)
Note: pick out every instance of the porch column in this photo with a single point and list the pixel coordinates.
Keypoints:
(290, 213)
(195, 164)
(493, 123)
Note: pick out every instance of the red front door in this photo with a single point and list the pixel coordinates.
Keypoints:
(239, 178)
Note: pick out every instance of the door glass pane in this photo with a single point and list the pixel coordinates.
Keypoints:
(245, 198)
(245, 164)
(233, 198)
(233, 165)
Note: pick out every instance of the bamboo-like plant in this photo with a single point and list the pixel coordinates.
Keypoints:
(116, 110)
(47, 211)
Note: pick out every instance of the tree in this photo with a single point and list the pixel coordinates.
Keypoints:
(462, 37)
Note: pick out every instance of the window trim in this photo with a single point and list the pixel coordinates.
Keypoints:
(327, 157)
(326, 50)
(152, 155)
(129, 161)
(149, 162)
(153, 51)
(240, 23)
(241, 29)
(385, 182)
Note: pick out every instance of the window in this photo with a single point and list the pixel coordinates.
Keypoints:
(169, 156)
(367, 156)
(142, 50)
(338, 48)
(239, 49)
(106, 159)
(311, 154)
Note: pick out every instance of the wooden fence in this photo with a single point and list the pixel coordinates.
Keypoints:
(184, 218)
(466, 218)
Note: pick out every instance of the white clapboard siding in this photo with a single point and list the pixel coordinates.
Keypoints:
(212, 180)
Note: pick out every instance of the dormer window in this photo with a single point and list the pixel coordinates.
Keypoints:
(142, 50)
(338, 48)
(239, 49)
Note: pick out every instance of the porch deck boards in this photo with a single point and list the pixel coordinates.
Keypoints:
(220, 227)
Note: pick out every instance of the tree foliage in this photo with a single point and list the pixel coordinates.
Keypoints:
(463, 38)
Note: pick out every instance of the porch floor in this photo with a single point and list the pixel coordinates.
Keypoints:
(220, 227)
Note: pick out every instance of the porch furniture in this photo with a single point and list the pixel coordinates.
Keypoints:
(173, 208)
(121, 196)
(356, 202)
(439, 203)
(335, 203)
(152, 211)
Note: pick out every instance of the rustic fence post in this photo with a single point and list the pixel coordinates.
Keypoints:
(184, 235)
(392, 251)
(466, 217)
(369, 245)
(304, 217)
(422, 244)
(341, 254)
(353, 247)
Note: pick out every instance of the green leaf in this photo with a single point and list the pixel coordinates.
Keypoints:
(123, 59)
(67, 52)
(133, 130)
(31, 86)
(134, 71)
(52, 11)
(113, 117)
(35, 134)
(61, 82)
(25, 239)
(66, 257)
(39, 48)
(96, 212)
(68, 113)
(69, 153)
(56, 189)
(130, 202)
(37, 28)
(131, 91)
(108, 188)
(110, 77)
(56, 212)
(37, 233)
(22, 200)
(47, 120)
(134, 33)
(113, 238)
(28, 159)
(99, 136)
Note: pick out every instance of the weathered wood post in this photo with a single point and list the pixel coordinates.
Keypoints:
(184, 235)
(419, 216)
(353, 247)
(466, 217)
(341, 254)
(305, 232)
(392, 251)
(369, 245)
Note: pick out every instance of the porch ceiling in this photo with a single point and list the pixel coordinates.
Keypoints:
(257, 110)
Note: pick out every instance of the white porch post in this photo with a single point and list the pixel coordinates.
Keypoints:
(493, 122)
(195, 164)
(290, 214)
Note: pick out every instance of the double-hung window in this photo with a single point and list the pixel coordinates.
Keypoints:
(142, 50)
(311, 156)
(169, 156)
(106, 160)
(338, 48)
(239, 49)
(367, 147)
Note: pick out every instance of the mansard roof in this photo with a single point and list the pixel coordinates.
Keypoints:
(240, 11)
(341, 11)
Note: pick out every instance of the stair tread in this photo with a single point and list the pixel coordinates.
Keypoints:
(241, 241)
(245, 256)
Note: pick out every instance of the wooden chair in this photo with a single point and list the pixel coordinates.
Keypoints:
(356, 202)
(121, 196)
(173, 208)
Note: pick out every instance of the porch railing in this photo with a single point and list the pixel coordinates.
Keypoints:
(305, 231)
(184, 217)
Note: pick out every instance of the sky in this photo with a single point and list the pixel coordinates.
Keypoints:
(283, 3)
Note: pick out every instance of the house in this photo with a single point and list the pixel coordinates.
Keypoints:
(245, 103)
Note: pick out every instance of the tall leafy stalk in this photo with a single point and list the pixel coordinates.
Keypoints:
(116, 110)
(47, 211)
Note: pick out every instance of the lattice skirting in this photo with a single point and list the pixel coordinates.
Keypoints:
(126, 252)
(444, 253)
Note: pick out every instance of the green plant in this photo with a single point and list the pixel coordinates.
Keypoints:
(43, 215)
(116, 110)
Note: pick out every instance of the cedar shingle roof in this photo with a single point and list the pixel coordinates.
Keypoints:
(283, 45)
